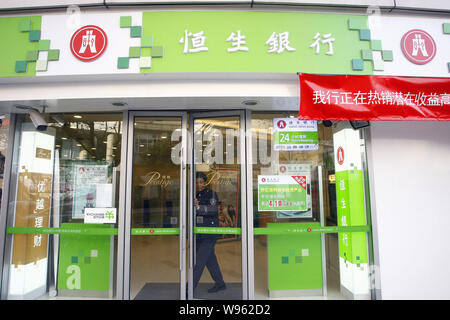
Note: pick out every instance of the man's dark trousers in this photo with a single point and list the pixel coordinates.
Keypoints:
(206, 257)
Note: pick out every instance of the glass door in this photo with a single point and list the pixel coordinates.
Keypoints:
(155, 249)
(217, 207)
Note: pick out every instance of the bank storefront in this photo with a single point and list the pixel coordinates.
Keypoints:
(143, 148)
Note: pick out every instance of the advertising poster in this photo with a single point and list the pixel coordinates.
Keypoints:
(290, 134)
(225, 183)
(297, 169)
(89, 188)
(282, 193)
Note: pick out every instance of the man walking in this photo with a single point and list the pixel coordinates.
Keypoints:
(206, 215)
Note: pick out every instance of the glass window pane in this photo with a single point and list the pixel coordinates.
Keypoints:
(217, 209)
(66, 206)
(296, 191)
(156, 208)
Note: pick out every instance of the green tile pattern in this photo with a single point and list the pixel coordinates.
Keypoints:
(41, 65)
(44, 45)
(364, 34)
(134, 52)
(367, 54)
(135, 31)
(375, 46)
(34, 35)
(33, 55)
(125, 21)
(358, 64)
(21, 66)
(25, 25)
(53, 55)
(123, 63)
(157, 52)
(446, 30)
(446, 27)
(145, 52)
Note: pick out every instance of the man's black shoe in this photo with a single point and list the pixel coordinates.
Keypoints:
(217, 288)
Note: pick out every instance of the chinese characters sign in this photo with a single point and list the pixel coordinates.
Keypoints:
(220, 41)
(373, 98)
(294, 135)
(282, 193)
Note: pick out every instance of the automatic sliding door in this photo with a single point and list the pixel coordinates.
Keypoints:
(157, 205)
(217, 207)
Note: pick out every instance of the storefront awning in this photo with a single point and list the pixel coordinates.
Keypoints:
(366, 97)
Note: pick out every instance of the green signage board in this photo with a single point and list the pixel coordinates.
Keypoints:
(350, 205)
(282, 193)
(295, 135)
(252, 41)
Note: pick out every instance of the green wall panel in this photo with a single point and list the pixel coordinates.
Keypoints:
(16, 44)
(294, 261)
(168, 28)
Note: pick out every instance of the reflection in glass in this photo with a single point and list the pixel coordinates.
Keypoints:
(282, 262)
(155, 270)
(217, 205)
(63, 174)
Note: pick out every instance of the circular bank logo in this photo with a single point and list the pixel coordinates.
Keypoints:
(340, 155)
(281, 124)
(88, 43)
(418, 46)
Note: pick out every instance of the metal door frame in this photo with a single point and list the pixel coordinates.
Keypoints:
(128, 154)
(243, 193)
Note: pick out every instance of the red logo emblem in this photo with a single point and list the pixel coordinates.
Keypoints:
(418, 46)
(88, 43)
(281, 124)
(340, 155)
(301, 180)
(309, 230)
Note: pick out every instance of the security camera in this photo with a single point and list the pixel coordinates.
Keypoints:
(358, 124)
(38, 120)
(327, 123)
(58, 119)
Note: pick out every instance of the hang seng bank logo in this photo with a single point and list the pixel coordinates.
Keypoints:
(418, 46)
(88, 43)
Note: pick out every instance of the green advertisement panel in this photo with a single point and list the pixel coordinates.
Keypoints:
(242, 41)
(296, 137)
(295, 260)
(84, 260)
(282, 193)
(350, 205)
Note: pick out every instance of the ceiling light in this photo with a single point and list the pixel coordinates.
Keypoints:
(77, 116)
(250, 102)
(119, 104)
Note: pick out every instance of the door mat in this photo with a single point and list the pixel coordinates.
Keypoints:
(171, 291)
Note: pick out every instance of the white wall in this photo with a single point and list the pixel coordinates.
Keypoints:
(410, 186)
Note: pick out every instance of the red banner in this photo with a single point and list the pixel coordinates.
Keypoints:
(336, 97)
